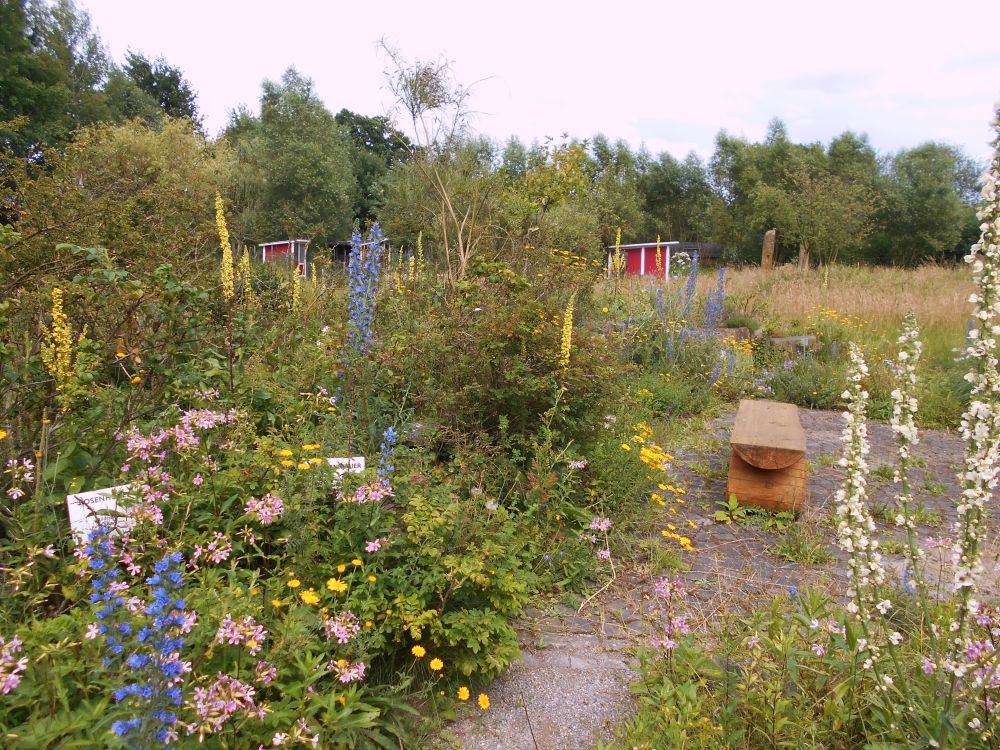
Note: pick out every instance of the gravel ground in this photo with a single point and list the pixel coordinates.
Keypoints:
(571, 688)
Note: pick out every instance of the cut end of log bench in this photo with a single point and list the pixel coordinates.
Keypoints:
(768, 466)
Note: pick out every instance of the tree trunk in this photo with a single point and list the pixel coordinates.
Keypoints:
(803, 256)
(767, 252)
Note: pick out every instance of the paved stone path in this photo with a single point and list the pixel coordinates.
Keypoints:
(571, 688)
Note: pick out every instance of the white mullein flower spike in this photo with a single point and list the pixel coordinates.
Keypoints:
(980, 426)
(854, 521)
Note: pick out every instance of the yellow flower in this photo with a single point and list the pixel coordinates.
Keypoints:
(418, 651)
(372, 579)
(286, 463)
(336, 585)
(369, 624)
(463, 693)
(355, 562)
(604, 309)
(254, 592)
(484, 701)
(276, 603)
(315, 461)
(304, 466)
(285, 452)
(226, 271)
(567, 334)
(626, 447)
(294, 583)
(309, 596)
(436, 664)
(310, 447)
(3, 434)
(341, 568)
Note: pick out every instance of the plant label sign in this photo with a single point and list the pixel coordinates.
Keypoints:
(88, 510)
(352, 465)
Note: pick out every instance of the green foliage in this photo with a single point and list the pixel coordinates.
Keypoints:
(292, 175)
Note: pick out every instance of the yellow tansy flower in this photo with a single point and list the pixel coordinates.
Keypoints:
(418, 651)
(436, 664)
(463, 693)
(336, 585)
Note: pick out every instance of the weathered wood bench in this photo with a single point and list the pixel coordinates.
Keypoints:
(767, 467)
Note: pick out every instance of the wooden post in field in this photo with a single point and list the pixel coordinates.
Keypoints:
(767, 254)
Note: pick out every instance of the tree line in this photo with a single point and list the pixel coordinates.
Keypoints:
(296, 169)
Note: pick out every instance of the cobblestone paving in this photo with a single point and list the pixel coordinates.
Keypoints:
(571, 688)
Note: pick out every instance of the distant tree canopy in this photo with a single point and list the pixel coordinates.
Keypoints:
(296, 170)
(56, 76)
(293, 174)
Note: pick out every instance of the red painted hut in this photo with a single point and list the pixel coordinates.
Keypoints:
(290, 252)
(640, 258)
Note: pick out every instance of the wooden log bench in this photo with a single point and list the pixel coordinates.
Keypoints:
(767, 467)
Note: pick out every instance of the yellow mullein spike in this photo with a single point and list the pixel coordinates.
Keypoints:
(567, 334)
(226, 270)
(420, 255)
(296, 290)
(245, 274)
(659, 255)
(57, 353)
(412, 269)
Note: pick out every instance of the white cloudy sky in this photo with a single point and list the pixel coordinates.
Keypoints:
(667, 74)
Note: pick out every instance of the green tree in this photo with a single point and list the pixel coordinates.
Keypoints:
(165, 84)
(826, 215)
(293, 175)
(378, 146)
(930, 203)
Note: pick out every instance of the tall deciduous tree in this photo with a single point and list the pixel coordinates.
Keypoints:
(825, 214)
(293, 175)
(164, 83)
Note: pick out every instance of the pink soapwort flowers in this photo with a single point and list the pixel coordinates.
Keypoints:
(11, 667)
(600, 524)
(215, 551)
(223, 699)
(376, 544)
(342, 627)
(377, 489)
(265, 672)
(346, 671)
(668, 623)
(244, 631)
(267, 509)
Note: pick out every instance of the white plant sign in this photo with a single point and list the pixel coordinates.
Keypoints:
(88, 510)
(345, 465)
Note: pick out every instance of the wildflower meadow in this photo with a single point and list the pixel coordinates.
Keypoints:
(251, 502)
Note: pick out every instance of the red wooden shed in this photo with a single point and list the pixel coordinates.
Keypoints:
(640, 258)
(287, 251)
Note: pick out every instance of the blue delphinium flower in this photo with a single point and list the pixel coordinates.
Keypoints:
(149, 650)
(692, 284)
(363, 271)
(386, 451)
(715, 305)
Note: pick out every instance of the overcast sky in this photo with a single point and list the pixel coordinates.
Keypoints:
(667, 74)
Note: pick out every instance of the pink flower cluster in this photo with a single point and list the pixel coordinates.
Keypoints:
(376, 544)
(600, 524)
(377, 489)
(347, 672)
(265, 672)
(11, 667)
(342, 627)
(668, 623)
(221, 701)
(301, 734)
(267, 509)
(245, 630)
(215, 551)
(22, 470)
